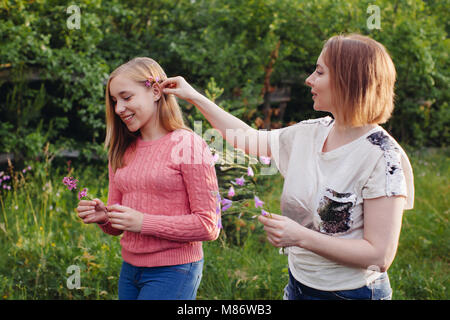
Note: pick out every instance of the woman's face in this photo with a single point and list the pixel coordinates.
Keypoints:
(134, 103)
(319, 81)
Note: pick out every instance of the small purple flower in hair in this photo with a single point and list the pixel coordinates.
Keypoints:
(148, 82)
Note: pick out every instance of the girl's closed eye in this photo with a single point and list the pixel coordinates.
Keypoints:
(319, 73)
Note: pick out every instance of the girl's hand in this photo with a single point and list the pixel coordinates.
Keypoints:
(125, 218)
(179, 87)
(282, 231)
(92, 211)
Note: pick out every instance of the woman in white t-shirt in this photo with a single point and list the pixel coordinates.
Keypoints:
(347, 181)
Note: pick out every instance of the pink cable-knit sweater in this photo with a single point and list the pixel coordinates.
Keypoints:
(172, 181)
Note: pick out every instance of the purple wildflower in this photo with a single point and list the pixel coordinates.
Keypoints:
(219, 200)
(264, 213)
(240, 181)
(258, 202)
(264, 160)
(215, 158)
(231, 192)
(226, 204)
(82, 194)
(70, 182)
(250, 172)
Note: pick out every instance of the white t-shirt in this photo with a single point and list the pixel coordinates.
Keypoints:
(325, 192)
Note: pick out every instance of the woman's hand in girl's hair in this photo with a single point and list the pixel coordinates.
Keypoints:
(125, 218)
(179, 87)
(92, 211)
(282, 231)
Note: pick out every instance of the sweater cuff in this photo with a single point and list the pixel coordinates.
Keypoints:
(108, 229)
(149, 225)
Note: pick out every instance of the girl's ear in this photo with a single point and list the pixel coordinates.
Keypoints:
(157, 91)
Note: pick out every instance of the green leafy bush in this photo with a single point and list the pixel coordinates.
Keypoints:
(52, 77)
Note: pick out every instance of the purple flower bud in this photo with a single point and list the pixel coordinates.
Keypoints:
(240, 181)
(226, 204)
(215, 158)
(70, 182)
(82, 193)
(231, 192)
(264, 160)
(258, 202)
(264, 213)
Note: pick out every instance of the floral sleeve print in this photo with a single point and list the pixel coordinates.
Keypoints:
(395, 181)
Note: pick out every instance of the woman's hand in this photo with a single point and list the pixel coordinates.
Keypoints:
(92, 211)
(179, 87)
(125, 218)
(282, 231)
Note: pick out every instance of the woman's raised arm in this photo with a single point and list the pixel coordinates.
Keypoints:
(235, 131)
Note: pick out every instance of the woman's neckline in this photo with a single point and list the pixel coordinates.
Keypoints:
(344, 146)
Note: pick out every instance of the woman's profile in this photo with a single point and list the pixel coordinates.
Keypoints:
(346, 180)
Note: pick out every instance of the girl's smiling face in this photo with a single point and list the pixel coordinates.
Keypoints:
(319, 81)
(134, 103)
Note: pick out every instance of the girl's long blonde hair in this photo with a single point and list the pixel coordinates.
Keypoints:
(118, 137)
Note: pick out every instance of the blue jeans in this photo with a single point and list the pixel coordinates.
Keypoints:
(178, 282)
(379, 289)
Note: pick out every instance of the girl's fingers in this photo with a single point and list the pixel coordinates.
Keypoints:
(86, 203)
(117, 226)
(84, 214)
(84, 208)
(117, 207)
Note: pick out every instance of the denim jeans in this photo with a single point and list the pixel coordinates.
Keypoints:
(178, 282)
(379, 289)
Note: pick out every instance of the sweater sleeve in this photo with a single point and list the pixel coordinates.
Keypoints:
(200, 181)
(114, 196)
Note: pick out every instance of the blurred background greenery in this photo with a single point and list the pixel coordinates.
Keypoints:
(52, 77)
(251, 57)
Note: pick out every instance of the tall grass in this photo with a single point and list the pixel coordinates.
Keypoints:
(41, 236)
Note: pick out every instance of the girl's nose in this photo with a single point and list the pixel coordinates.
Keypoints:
(119, 107)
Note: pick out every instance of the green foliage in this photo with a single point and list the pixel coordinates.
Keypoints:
(52, 77)
(41, 236)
